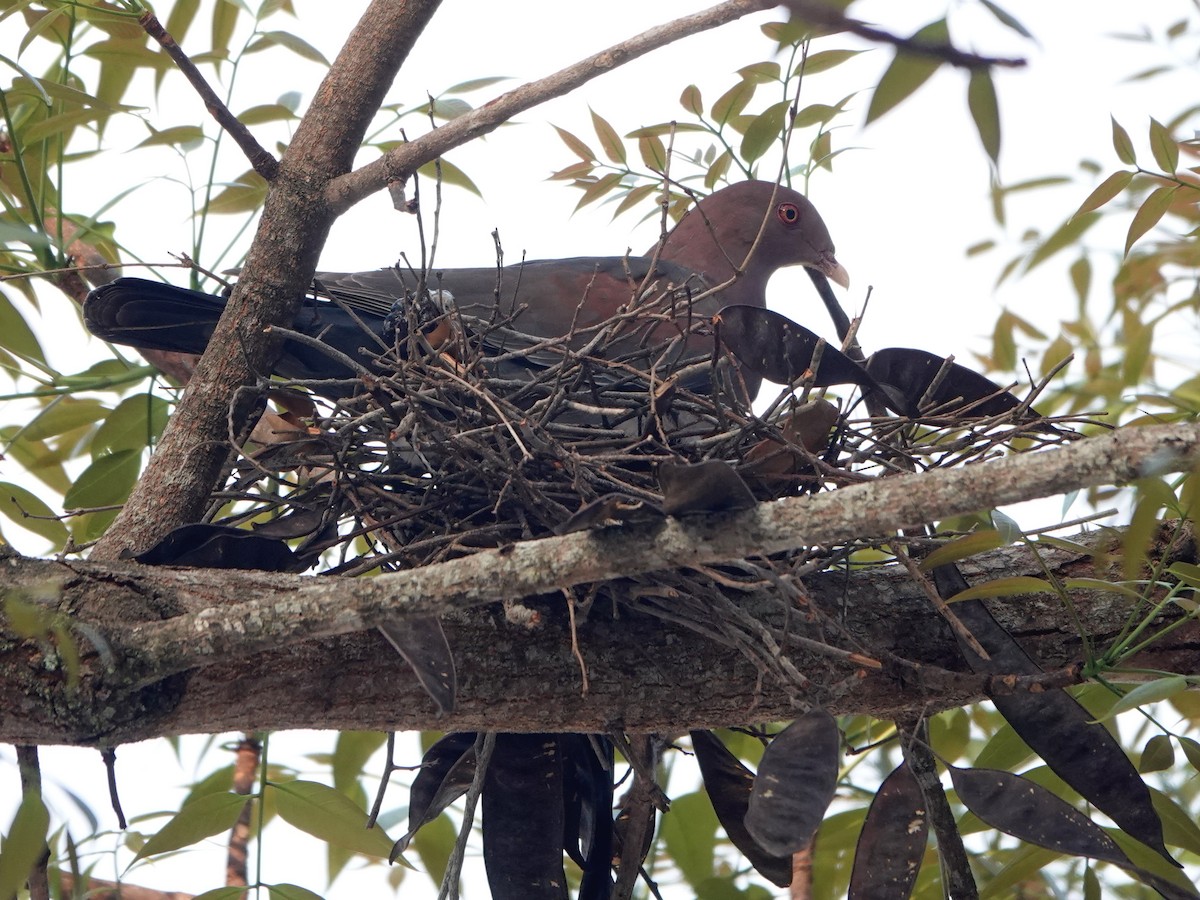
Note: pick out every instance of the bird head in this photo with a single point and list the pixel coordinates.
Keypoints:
(757, 227)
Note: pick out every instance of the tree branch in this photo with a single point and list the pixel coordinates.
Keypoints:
(263, 162)
(874, 510)
(518, 678)
(833, 19)
(399, 164)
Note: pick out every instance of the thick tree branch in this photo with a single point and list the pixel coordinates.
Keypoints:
(147, 623)
(400, 163)
(874, 510)
(520, 678)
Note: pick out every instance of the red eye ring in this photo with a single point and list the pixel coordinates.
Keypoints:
(789, 213)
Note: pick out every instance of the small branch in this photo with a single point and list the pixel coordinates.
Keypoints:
(832, 19)
(30, 768)
(958, 881)
(344, 192)
(263, 162)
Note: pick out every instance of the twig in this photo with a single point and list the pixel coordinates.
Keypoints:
(828, 17)
(262, 162)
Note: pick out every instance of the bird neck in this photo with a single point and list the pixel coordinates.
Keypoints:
(718, 250)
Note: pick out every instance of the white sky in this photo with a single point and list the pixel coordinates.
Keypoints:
(902, 209)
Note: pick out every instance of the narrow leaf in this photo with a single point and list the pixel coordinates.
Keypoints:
(1028, 811)
(610, 141)
(200, 819)
(961, 548)
(733, 101)
(1005, 587)
(907, 72)
(1106, 190)
(329, 815)
(1122, 144)
(1153, 208)
(985, 110)
(23, 845)
(575, 145)
(764, 131)
(1150, 692)
(1162, 144)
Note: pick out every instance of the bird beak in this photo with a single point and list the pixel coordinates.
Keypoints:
(833, 270)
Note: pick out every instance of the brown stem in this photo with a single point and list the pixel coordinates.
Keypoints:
(262, 162)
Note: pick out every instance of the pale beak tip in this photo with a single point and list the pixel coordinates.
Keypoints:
(836, 272)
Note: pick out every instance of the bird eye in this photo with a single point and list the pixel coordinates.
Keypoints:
(788, 213)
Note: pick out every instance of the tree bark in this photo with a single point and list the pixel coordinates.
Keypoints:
(644, 673)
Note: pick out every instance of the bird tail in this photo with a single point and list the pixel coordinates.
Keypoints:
(151, 315)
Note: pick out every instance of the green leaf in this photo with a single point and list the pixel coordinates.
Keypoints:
(1122, 144)
(24, 844)
(691, 837)
(31, 513)
(634, 197)
(62, 415)
(654, 153)
(985, 110)
(764, 131)
(815, 114)
(761, 72)
(1013, 586)
(451, 174)
(291, 892)
(961, 548)
(1065, 236)
(186, 137)
(106, 482)
(475, 84)
(1150, 692)
(1106, 190)
(717, 170)
(135, 424)
(350, 755)
(1152, 209)
(610, 141)
(246, 194)
(327, 814)
(448, 108)
(826, 59)
(179, 20)
(576, 146)
(691, 100)
(1164, 148)
(1006, 19)
(597, 189)
(224, 20)
(1158, 755)
(733, 101)
(907, 72)
(266, 112)
(222, 893)
(433, 844)
(203, 818)
(15, 335)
